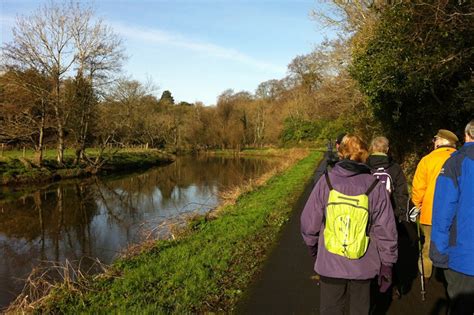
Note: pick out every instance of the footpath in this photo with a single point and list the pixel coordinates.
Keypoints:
(287, 284)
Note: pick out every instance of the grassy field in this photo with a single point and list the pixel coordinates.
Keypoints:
(50, 154)
(206, 269)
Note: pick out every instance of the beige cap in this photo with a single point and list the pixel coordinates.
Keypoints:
(448, 135)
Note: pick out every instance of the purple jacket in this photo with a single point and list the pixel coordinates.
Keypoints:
(350, 178)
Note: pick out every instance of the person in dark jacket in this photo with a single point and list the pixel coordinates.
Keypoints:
(379, 158)
(405, 268)
(343, 278)
(329, 160)
(452, 234)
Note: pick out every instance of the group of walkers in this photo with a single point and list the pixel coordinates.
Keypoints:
(360, 204)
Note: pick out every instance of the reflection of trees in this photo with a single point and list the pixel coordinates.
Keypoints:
(48, 224)
(170, 186)
(68, 209)
(201, 171)
(58, 209)
(120, 205)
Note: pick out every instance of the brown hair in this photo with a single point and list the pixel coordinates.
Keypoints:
(353, 148)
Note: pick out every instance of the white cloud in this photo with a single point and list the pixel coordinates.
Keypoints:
(177, 40)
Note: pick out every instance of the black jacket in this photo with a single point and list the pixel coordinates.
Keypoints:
(399, 194)
(329, 160)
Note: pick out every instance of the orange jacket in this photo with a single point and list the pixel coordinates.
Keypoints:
(424, 181)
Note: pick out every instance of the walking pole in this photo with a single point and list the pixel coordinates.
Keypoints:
(420, 249)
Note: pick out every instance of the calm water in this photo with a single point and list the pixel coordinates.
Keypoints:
(99, 217)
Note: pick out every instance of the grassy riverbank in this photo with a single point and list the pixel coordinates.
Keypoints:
(206, 268)
(269, 152)
(16, 167)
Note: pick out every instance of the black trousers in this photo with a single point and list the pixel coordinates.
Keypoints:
(461, 292)
(339, 294)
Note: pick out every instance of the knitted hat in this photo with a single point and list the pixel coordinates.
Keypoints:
(448, 135)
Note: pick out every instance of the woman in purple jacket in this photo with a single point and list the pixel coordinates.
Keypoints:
(343, 278)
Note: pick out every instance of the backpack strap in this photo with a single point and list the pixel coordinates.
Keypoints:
(326, 175)
(328, 181)
(372, 187)
(369, 222)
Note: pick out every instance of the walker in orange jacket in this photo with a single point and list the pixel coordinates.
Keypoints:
(424, 181)
(423, 188)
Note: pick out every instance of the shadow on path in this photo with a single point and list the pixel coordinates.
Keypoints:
(285, 285)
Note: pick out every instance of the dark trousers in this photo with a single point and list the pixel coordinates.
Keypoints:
(339, 294)
(461, 292)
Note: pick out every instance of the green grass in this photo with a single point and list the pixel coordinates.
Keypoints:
(204, 271)
(29, 154)
(50, 154)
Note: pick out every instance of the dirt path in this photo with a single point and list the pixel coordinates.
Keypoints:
(285, 285)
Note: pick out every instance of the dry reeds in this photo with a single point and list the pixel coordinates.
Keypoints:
(52, 275)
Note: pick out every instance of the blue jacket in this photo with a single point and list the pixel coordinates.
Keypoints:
(452, 234)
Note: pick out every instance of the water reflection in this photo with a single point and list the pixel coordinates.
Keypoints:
(97, 217)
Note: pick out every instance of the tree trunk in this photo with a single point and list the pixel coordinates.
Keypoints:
(60, 127)
(60, 155)
(81, 143)
(38, 159)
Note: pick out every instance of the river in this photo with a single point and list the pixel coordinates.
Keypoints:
(97, 218)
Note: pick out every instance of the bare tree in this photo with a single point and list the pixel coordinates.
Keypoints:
(43, 42)
(54, 39)
(349, 16)
(99, 56)
(24, 109)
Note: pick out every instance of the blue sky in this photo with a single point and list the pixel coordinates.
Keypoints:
(199, 48)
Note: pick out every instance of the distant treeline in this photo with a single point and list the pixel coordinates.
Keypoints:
(403, 69)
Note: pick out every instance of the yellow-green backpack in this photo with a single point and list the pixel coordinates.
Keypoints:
(347, 223)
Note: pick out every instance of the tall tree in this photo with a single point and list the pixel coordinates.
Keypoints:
(43, 42)
(166, 98)
(24, 115)
(417, 69)
(99, 57)
(54, 39)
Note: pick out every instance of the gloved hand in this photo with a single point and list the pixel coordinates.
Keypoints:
(413, 213)
(385, 278)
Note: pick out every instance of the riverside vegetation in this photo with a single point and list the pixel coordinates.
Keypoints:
(204, 267)
(16, 167)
